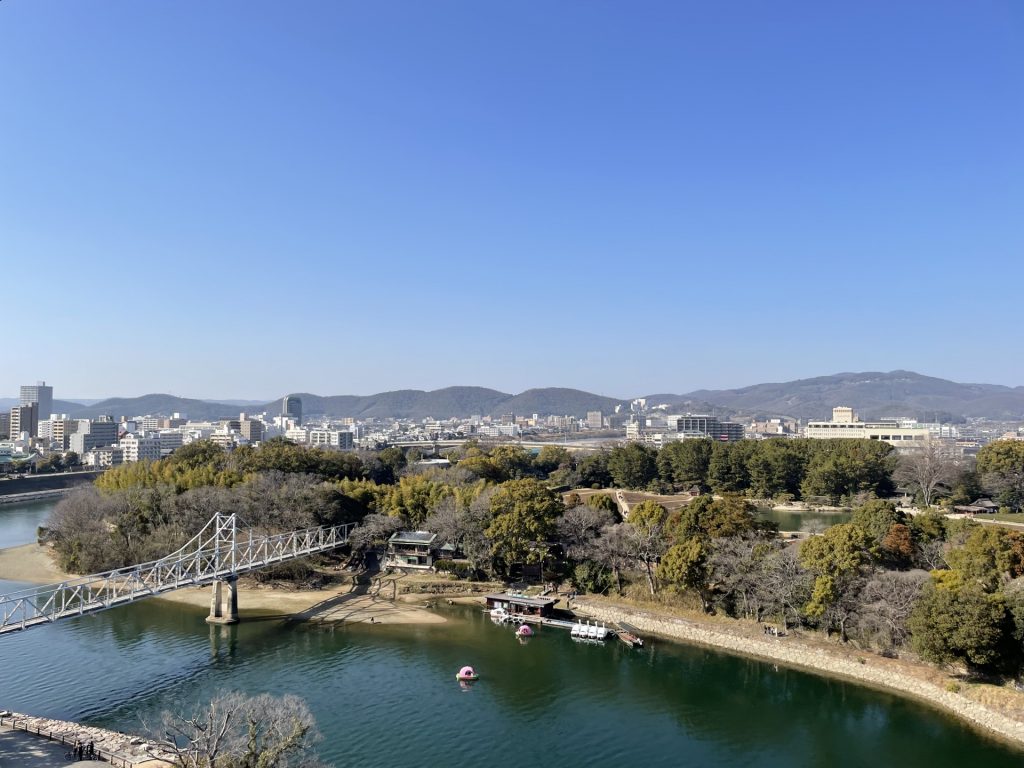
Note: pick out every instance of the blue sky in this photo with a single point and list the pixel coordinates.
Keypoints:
(242, 199)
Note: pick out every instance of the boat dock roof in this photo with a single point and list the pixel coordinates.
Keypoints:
(537, 602)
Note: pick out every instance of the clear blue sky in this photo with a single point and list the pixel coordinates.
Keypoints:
(241, 199)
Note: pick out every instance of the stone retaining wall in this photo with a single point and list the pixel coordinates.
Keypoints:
(115, 748)
(797, 655)
(58, 480)
(23, 498)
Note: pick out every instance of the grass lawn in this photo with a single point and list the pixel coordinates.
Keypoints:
(1006, 517)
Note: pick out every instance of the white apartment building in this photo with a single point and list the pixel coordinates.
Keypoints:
(845, 424)
(139, 447)
(192, 434)
(500, 430)
(225, 439)
(332, 438)
(297, 435)
(103, 456)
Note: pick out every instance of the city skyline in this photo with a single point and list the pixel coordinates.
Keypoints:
(885, 394)
(232, 399)
(357, 198)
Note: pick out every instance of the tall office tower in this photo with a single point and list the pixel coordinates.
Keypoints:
(42, 396)
(25, 418)
(291, 407)
(5, 425)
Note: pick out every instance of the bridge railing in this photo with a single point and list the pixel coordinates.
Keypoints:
(220, 550)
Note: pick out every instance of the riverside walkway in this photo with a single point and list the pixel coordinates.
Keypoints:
(217, 555)
(39, 742)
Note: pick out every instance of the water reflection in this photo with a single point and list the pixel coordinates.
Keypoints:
(392, 688)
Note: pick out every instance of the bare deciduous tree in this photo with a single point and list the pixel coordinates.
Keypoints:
(579, 527)
(638, 545)
(929, 469)
(785, 586)
(463, 526)
(931, 554)
(738, 566)
(239, 731)
(373, 531)
(886, 602)
(611, 549)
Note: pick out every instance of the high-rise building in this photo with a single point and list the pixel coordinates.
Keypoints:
(251, 430)
(42, 396)
(25, 418)
(595, 419)
(93, 434)
(291, 407)
(5, 425)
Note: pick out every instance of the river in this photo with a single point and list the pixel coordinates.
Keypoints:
(19, 522)
(387, 694)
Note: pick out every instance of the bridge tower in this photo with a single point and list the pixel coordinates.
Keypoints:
(224, 602)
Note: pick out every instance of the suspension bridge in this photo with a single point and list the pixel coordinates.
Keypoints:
(216, 555)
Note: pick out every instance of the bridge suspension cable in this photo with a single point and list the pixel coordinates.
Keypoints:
(220, 551)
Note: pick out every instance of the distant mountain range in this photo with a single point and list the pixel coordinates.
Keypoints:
(871, 394)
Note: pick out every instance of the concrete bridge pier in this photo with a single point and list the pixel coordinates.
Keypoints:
(224, 602)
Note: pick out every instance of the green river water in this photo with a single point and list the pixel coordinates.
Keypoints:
(387, 694)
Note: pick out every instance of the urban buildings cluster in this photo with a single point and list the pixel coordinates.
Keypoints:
(104, 441)
(656, 427)
(32, 431)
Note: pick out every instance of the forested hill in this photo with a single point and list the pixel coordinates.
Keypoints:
(872, 394)
(455, 402)
(156, 405)
(406, 403)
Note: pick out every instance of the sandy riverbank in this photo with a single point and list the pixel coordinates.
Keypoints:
(995, 709)
(32, 563)
(29, 563)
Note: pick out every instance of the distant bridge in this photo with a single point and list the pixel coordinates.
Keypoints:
(217, 555)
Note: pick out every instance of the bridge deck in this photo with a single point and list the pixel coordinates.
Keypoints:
(220, 551)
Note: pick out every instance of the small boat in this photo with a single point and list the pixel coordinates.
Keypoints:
(500, 615)
(630, 639)
(467, 675)
(589, 631)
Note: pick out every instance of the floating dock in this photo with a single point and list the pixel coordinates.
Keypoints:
(579, 629)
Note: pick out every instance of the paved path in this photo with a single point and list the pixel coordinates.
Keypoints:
(27, 751)
(623, 504)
